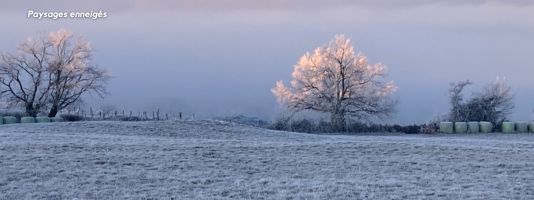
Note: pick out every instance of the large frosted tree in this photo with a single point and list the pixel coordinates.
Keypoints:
(337, 80)
(71, 72)
(50, 72)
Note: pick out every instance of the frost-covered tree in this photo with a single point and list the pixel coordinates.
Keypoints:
(50, 72)
(337, 80)
(493, 104)
(71, 71)
(457, 112)
(24, 77)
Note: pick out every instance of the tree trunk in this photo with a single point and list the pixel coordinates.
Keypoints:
(337, 119)
(53, 111)
(31, 110)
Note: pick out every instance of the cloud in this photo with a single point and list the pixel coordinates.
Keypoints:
(418, 12)
(232, 5)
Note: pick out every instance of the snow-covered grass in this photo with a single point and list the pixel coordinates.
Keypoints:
(219, 160)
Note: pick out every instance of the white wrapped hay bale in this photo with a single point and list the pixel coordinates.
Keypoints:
(446, 127)
(56, 119)
(27, 120)
(521, 127)
(508, 127)
(460, 127)
(473, 127)
(486, 127)
(42, 119)
(10, 120)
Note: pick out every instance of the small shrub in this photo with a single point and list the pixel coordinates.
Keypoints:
(281, 124)
(429, 128)
(324, 127)
(133, 118)
(303, 125)
(357, 127)
(72, 117)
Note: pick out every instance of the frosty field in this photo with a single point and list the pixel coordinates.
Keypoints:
(219, 160)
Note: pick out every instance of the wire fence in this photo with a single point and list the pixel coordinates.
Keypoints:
(126, 115)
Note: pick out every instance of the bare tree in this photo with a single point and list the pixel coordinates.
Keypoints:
(337, 80)
(494, 104)
(457, 112)
(24, 77)
(71, 72)
(50, 72)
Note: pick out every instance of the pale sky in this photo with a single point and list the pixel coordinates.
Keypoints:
(222, 57)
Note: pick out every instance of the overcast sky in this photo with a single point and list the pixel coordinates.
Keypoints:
(222, 57)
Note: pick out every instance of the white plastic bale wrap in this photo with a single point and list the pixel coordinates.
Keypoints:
(56, 119)
(446, 127)
(473, 127)
(27, 120)
(521, 127)
(42, 119)
(508, 127)
(486, 127)
(10, 120)
(460, 127)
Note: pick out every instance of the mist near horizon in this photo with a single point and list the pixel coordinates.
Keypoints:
(219, 59)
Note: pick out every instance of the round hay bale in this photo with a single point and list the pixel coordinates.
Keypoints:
(508, 127)
(42, 119)
(56, 119)
(446, 127)
(486, 127)
(473, 127)
(10, 120)
(27, 120)
(460, 127)
(521, 127)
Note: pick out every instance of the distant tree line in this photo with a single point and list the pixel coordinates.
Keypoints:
(305, 125)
